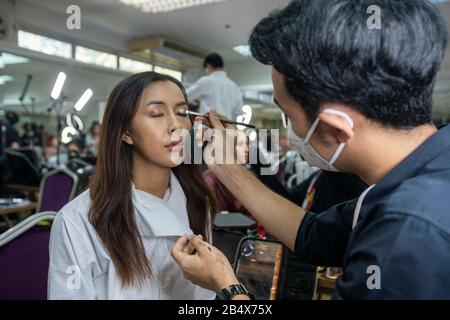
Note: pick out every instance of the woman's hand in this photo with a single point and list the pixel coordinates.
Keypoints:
(203, 264)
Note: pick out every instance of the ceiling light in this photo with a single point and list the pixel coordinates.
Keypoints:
(6, 58)
(4, 79)
(59, 83)
(155, 6)
(83, 100)
(243, 50)
(68, 134)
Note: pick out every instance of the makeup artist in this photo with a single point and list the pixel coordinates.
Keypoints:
(357, 100)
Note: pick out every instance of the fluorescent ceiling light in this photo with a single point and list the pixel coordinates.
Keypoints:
(243, 50)
(155, 6)
(4, 79)
(6, 58)
(59, 83)
(83, 100)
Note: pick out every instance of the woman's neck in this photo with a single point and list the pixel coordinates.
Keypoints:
(149, 177)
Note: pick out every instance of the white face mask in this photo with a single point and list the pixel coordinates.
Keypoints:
(311, 156)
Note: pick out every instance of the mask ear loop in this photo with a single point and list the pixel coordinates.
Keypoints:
(340, 113)
(342, 145)
(311, 130)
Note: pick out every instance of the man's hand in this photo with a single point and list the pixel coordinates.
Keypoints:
(203, 264)
(222, 139)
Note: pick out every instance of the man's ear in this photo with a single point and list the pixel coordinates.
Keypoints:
(339, 123)
(127, 139)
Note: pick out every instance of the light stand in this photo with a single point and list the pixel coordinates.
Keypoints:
(57, 105)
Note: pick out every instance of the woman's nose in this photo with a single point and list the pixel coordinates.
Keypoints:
(174, 123)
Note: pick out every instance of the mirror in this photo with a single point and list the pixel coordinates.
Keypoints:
(258, 265)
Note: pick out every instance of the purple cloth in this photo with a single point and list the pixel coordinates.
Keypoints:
(24, 266)
(56, 192)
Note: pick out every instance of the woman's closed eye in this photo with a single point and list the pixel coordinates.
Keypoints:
(156, 114)
(181, 113)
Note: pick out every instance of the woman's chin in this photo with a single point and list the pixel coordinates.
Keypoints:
(176, 158)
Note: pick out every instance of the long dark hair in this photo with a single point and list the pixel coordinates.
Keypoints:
(112, 212)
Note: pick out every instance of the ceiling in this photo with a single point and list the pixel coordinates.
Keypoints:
(202, 27)
(185, 25)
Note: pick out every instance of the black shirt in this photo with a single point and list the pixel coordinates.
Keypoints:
(400, 248)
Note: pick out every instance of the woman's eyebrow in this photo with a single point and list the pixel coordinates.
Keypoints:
(181, 103)
(156, 102)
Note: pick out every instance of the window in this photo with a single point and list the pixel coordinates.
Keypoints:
(45, 45)
(92, 56)
(133, 66)
(176, 74)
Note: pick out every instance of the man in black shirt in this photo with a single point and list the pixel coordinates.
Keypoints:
(357, 94)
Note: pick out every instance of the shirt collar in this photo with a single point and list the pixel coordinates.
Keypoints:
(158, 217)
(219, 73)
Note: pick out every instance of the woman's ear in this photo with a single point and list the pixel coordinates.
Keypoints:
(127, 139)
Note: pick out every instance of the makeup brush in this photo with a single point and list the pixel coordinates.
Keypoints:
(192, 113)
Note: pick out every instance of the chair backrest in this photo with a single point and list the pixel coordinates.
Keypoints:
(24, 259)
(57, 188)
(20, 170)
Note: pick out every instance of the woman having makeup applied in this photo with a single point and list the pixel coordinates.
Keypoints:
(114, 240)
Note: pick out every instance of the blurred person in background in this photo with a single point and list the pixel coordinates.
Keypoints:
(215, 90)
(9, 135)
(92, 137)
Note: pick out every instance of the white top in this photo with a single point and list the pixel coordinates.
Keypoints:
(217, 91)
(80, 267)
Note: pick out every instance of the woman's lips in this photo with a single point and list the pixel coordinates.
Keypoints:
(176, 145)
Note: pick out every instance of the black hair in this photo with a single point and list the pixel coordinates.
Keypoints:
(12, 117)
(214, 60)
(327, 53)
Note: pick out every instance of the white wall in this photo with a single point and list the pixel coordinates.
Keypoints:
(249, 73)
